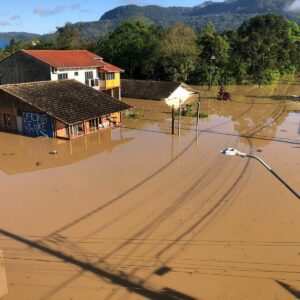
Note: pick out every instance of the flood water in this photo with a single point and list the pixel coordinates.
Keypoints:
(135, 213)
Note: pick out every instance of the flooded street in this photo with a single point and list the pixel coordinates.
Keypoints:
(135, 213)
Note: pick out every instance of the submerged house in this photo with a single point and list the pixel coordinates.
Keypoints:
(63, 109)
(170, 92)
(81, 65)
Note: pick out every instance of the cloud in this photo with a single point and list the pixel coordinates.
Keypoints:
(3, 23)
(46, 12)
(75, 6)
(15, 18)
(40, 10)
(294, 7)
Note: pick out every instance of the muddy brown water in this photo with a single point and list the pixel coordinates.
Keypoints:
(136, 213)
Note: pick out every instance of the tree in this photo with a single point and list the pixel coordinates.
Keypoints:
(69, 37)
(214, 56)
(294, 33)
(266, 46)
(236, 69)
(132, 46)
(178, 52)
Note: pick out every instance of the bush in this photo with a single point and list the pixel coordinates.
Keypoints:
(266, 76)
(187, 111)
(133, 115)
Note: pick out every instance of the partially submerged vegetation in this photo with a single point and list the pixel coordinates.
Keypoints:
(188, 111)
(133, 114)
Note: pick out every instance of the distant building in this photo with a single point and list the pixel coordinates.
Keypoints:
(63, 109)
(170, 92)
(81, 65)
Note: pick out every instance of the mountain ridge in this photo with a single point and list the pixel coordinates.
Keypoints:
(7, 36)
(224, 15)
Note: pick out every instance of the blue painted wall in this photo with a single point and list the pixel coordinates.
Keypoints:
(37, 124)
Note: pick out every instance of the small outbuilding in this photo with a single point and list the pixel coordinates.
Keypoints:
(63, 109)
(170, 92)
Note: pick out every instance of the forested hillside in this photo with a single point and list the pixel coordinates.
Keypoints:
(224, 15)
(7, 36)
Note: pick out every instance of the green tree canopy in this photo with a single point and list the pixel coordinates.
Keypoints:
(266, 45)
(178, 52)
(69, 38)
(214, 56)
(132, 46)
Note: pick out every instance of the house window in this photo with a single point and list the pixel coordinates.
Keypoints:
(96, 82)
(89, 75)
(6, 119)
(93, 126)
(62, 76)
(92, 82)
(77, 130)
(75, 73)
(110, 76)
(102, 76)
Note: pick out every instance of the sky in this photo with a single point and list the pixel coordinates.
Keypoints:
(43, 16)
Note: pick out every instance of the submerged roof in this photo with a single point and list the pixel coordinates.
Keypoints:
(147, 89)
(67, 100)
(60, 59)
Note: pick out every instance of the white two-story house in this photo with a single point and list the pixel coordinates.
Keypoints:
(43, 65)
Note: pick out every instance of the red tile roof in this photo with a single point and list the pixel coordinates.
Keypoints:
(61, 59)
(110, 68)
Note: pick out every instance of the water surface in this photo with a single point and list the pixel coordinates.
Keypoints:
(137, 213)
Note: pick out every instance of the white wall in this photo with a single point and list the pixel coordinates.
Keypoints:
(71, 74)
(180, 93)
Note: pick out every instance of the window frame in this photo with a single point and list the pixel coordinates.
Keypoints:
(6, 119)
(110, 76)
(62, 76)
(89, 75)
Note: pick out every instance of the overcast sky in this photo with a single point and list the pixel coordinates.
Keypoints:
(39, 16)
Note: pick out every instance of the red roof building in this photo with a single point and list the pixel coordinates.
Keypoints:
(65, 59)
(81, 65)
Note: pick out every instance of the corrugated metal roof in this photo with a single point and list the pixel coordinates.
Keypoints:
(61, 59)
(67, 100)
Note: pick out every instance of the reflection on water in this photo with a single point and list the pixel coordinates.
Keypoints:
(252, 113)
(258, 117)
(3, 281)
(106, 227)
(19, 154)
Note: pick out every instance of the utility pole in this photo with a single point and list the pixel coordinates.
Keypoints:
(234, 152)
(198, 111)
(179, 116)
(173, 119)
